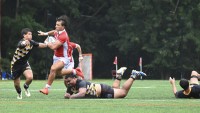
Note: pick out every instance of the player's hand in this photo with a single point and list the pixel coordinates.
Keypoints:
(25, 43)
(67, 96)
(172, 80)
(40, 33)
(80, 58)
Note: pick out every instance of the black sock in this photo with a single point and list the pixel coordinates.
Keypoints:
(118, 79)
(26, 86)
(19, 90)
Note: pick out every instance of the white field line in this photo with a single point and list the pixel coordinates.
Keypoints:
(31, 89)
(142, 87)
(65, 89)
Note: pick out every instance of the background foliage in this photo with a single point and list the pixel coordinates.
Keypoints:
(164, 32)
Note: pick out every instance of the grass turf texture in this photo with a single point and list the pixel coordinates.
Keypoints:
(145, 96)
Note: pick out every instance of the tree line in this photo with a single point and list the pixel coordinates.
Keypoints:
(165, 33)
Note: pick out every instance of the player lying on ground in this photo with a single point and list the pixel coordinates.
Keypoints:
(191, 89)
(77, 88)
(19, 63)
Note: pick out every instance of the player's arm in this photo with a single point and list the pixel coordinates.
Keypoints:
(23, 43)
(78, 47)
(81, 93)
(42, 45)
(172, 82)
(54, 45)
(41, 33)
(38, 44)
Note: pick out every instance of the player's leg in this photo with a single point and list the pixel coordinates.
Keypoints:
(69, 66)
(29, 77)
(16, 71)
(194, 78)
(69, 69)
(121, 93)
(120, 72)
(54, 68)
(18, 88)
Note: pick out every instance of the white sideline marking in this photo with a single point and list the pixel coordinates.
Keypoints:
(30, 89)
(142, 87)
(66, 88)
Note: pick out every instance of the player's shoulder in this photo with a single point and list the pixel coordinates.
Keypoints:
(81, 82)
(72, 44)
(196, 87)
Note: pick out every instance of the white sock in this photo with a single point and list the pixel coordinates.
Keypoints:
(74, 72)
(48, 86)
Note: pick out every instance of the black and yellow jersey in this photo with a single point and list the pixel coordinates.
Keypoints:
(22, 53)
(194, 93)
(90, 88)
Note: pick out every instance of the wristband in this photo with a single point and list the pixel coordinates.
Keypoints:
(46, 33)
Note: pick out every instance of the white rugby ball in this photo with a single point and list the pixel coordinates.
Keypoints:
(51, 39)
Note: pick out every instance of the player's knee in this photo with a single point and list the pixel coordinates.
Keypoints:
(53, 69)
(29, 78)
(194, 73)
(123, 94)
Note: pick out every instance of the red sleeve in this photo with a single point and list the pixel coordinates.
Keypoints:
(73, 45)
(62, 38)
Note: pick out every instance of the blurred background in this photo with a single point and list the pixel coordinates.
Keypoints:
(165, 33)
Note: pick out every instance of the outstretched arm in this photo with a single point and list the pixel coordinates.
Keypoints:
(40, 33)
(172, 82)
(81, 93)
(42, 45)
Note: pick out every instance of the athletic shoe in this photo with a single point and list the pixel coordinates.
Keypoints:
(135, 74)
(19, 96)
(120, 73)
(79, 72)
(27, 93)
(44, 91)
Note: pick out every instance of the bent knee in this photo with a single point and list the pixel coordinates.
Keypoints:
(194, 73)
(29, 77)
(123, 94)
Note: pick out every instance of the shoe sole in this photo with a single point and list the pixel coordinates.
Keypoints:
(43, 93)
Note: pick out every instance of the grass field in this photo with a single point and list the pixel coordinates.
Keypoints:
(145, 96)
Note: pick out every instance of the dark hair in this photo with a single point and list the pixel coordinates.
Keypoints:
(184, 84)
(25, 31)
(70, 76)
(64, 20)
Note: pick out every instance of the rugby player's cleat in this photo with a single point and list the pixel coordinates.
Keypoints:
(27, 93)
(79, 72)
(19, 96)
(44, 91)
(135, 74)
(120, 73)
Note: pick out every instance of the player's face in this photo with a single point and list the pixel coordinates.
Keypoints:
(71, 81)
(59, 26)
(28, 36)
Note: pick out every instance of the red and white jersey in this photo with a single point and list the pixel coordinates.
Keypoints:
(63, 37)
(70, 50)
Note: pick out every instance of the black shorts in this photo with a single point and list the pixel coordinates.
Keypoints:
(106, 91)
(18, 70)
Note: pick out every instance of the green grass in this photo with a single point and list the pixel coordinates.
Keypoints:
(145, 96)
